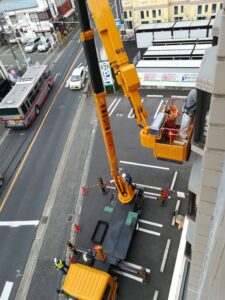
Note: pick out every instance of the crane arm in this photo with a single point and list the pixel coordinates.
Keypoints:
(125, 191)
(124, 71)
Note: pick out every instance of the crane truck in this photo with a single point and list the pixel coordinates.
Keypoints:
(114, 231)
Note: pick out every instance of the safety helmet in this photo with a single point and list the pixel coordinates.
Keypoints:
(124, 175)
(56, 260)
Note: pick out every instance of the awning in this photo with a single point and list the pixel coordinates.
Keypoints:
(69, 13)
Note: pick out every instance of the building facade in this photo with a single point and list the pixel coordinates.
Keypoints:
(34, 17)
(136, 12)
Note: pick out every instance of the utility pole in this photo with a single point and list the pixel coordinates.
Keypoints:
(9, 44)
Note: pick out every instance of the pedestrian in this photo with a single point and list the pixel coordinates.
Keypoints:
(71, 248)
(188, 110)
(60, 265)
(127, 178)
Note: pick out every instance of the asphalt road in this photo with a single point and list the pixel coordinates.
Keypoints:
(29, 190)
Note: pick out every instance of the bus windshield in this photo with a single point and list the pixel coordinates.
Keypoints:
(9, 111)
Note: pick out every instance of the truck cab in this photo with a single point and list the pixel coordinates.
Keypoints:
(86, 283)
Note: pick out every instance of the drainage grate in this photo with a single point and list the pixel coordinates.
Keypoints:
(44, 220)
(69, 218)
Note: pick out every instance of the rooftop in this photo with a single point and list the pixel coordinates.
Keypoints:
(8, 5)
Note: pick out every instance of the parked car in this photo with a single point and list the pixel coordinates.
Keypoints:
(44, 45)
(78, 78)
(32, 45)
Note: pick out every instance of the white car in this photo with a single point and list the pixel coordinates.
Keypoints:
(32, 45)
(78, 78)
(44, 45)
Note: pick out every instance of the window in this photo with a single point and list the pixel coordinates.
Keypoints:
(43, 16)
(142, 14)
(130, 14)
(153, 13)
(221, 5)
(213, 8)
(147, 13)
(175, 10)
(9, 111)
(128, 25)
(31, 97)
(182, 9)
(199, 9)
(24, 108)
(206, 8)
(159, 12)
(125, 14)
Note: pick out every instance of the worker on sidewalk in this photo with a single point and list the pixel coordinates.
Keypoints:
(60, 265)
(71, 248)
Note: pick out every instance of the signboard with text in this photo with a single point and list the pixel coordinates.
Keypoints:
(106, 73)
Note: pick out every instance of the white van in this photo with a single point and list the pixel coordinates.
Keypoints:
(32, 45)
(77, 78)
(44, 45)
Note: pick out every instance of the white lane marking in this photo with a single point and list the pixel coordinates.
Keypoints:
(4, 136)
(152, 194)
(149, 231)
(136, 266)
(143, 165)
(150, 197)
(148, 186)
(173, 181)
(180, 194)
(114, 107)
(176, 209)
(68, 82)
(7, 290)
(127, 275)
(150, 223)
(111, 187)
(131, 113)
(56, 75)
(19, 223)
(156, 295)
(79, 65)
(157, 111)
(115, 99)
(154, 96)
(165, 255)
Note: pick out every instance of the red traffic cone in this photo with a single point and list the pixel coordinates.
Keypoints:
(76, 228)
(84, 191)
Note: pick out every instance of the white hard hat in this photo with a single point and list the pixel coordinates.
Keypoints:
(124, 175)
(56, 260)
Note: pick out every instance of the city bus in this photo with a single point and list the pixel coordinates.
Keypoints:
(22, 104)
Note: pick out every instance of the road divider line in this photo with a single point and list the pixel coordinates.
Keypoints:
(149, 231)
(27, 153)
(6, 290)
(148, 186)
(175, 212)
(156, 295)
(165, 255)
(150, 223)
(143, 165)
